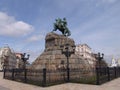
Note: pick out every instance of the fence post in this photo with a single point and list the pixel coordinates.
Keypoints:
(97, 76)
(13, 74)
(44, 77)
(119, 71)
(25, 75)
(115, 72)
(68, 74)
(4, 73)
(108, 72)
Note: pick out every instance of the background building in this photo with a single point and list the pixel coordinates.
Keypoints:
(86, 52)
(118, 62)
(7, 58)
(113, 62)
(19, 63)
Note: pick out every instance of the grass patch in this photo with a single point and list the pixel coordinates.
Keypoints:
(85, 80)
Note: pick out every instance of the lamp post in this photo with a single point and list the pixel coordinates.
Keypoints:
(99, 57)
(24, 58)
(6, 62)
(66, 51)
(5, 65)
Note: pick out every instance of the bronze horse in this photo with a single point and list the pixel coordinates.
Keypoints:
(61, 25)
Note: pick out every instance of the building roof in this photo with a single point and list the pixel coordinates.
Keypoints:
(84, 45)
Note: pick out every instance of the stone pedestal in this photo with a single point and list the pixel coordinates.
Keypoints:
(52, 57)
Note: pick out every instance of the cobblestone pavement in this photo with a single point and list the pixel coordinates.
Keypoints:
(13, 85)
(3, 88)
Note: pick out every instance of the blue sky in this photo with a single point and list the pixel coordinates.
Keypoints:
(24, 24)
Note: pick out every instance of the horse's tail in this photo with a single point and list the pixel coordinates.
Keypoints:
(69, 33)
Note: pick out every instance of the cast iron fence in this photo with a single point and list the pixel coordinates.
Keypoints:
(105, 74)
(45, 77)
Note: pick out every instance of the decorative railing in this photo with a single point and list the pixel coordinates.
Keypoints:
(46, 77)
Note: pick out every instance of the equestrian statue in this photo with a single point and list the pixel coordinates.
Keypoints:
(61, 25)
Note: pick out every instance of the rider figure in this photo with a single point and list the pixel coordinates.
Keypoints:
(58, 22)
(61, 23)
(62, 26)
(64, 23)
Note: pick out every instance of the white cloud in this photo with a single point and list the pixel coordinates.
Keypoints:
(35, 38)
(13, 28)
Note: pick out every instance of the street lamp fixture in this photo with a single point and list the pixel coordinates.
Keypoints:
(99, 58)
(67, 50)
(24, 58)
